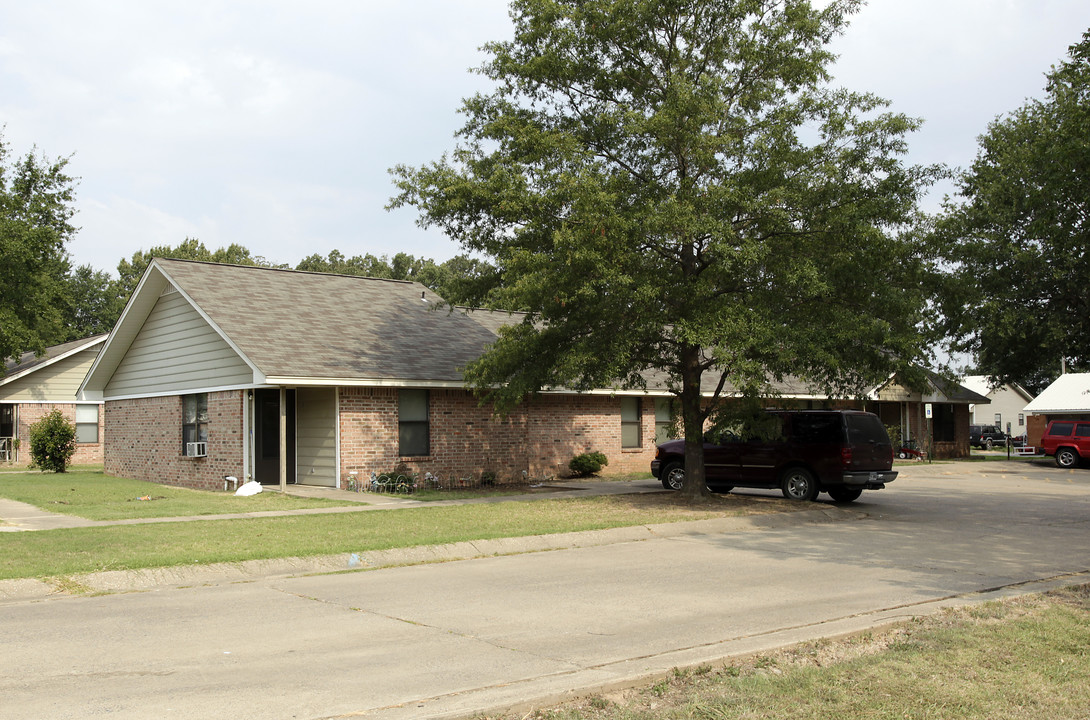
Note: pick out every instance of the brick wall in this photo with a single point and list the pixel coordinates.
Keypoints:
(539, 436)
(143, 439)
(30, 413)
(958, 448)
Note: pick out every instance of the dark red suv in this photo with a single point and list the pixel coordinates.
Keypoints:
(1068, 441)
(840, 452)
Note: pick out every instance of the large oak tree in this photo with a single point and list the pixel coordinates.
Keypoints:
(674, 186)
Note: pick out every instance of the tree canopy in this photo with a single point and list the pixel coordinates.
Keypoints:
(673, 186)
(1017, 236)
(449, 279)
(36, 196)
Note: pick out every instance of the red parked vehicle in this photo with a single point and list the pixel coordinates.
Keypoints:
(1068, 441)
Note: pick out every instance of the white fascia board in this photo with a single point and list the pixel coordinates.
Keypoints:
(55, 402)
(46, 363)
(179, 392)
(289, 381)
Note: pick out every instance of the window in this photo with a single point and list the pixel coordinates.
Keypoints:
(412, 423)
(1082, 430)
(1021, 420)
(87, 423)
(630, 422)
(664, 420)
(999, 420)
(194, 420)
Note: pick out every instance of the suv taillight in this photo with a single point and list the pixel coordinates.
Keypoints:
(846, 456)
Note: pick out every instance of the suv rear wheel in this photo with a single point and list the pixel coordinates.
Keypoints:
(673, 476)
(1067, 457)
(845, 494)
(798, 484)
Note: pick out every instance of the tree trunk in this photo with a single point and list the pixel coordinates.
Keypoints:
(695, 488)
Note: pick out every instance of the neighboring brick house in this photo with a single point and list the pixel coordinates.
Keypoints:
(212, 369)
(34, 386)
(946, 433)
(1067, 398)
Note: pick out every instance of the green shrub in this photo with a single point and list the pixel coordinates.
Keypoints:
(587, 463)
(52, 442)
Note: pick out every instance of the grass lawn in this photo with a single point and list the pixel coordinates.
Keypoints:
(1026, 658)
(95, 496)
(119, 547)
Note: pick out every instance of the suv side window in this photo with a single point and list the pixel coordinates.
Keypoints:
(1062, 428)
(816, 428)
(1082, 430)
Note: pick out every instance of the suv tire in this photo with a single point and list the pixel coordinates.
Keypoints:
(988, 444)
(798, 483)
(673, 476)
(845, 494)
(1067, 457)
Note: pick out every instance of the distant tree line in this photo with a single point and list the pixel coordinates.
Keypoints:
(45, 300)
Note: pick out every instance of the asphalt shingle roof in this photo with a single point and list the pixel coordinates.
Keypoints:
(315, 325)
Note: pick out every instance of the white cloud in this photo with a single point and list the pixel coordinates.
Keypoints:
(272, 123)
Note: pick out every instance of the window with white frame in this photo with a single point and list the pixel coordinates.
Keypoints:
(999, 420)
(87, 423)
(631, 427)
(412, 423)
(1021, 420)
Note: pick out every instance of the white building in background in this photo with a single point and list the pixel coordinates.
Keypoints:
(1008, 404)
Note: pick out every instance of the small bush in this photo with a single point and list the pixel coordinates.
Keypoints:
(52, 442)
(587, 464)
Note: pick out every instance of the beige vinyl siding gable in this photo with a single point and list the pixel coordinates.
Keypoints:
(316, 436)
(57, 382)
(177, 350)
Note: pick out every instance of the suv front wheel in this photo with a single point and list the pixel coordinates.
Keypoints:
(673, 476)
(799, 484)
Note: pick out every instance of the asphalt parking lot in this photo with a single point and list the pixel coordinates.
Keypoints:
(512, 626)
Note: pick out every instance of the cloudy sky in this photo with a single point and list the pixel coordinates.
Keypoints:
(272, 124)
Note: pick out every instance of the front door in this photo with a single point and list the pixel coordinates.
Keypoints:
(267, 436)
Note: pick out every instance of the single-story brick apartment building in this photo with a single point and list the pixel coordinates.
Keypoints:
(212, 369)
(35, 386)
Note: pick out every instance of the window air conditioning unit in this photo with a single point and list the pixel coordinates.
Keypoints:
(196, 449)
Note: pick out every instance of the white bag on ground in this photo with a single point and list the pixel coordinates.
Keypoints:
(251, 488)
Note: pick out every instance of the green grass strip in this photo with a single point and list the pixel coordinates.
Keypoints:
(95, 496)
(128, 547)
(1024, 658)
